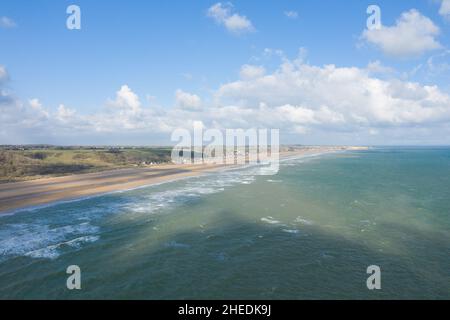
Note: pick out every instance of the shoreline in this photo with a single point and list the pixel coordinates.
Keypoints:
(23, 195)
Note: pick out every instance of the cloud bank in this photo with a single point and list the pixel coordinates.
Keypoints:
(340, 104)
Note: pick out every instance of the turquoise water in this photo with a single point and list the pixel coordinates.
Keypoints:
(308, 232)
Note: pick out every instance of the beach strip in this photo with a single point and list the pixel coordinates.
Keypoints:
(47, 190)
(16, 195)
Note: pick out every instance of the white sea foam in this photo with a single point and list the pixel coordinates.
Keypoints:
(41, 240)
(45, 231)
(191, 189)
(303, 221)
(53, 251)
(291, 230)
(246, 173)
(270, 220)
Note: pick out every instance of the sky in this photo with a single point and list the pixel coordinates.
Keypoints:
(138, 70)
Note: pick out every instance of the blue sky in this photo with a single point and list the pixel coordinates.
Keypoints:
(156, 48)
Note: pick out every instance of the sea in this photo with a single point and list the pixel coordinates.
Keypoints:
(310, 231)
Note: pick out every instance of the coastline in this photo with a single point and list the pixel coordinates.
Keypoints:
(18, 196)
(46, 191)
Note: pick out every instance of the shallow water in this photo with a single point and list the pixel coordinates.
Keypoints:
(308, 232)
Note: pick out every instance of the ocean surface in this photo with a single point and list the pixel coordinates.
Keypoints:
(308, 232)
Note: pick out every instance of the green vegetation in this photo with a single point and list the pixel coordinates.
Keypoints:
(25, 163)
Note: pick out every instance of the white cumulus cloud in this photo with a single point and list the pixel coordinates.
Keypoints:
(444, 10)
(251, 71)
(412, 35)
(340, 104)
(223, 14)
(127, 100)
(345, 96)
(187, 100)
(3, 74)
(376, 67)
(65, 114)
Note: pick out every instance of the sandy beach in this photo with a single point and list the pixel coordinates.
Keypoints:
(46, 190)
(42, 191)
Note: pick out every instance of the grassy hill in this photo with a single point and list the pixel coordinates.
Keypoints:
(18, 165)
